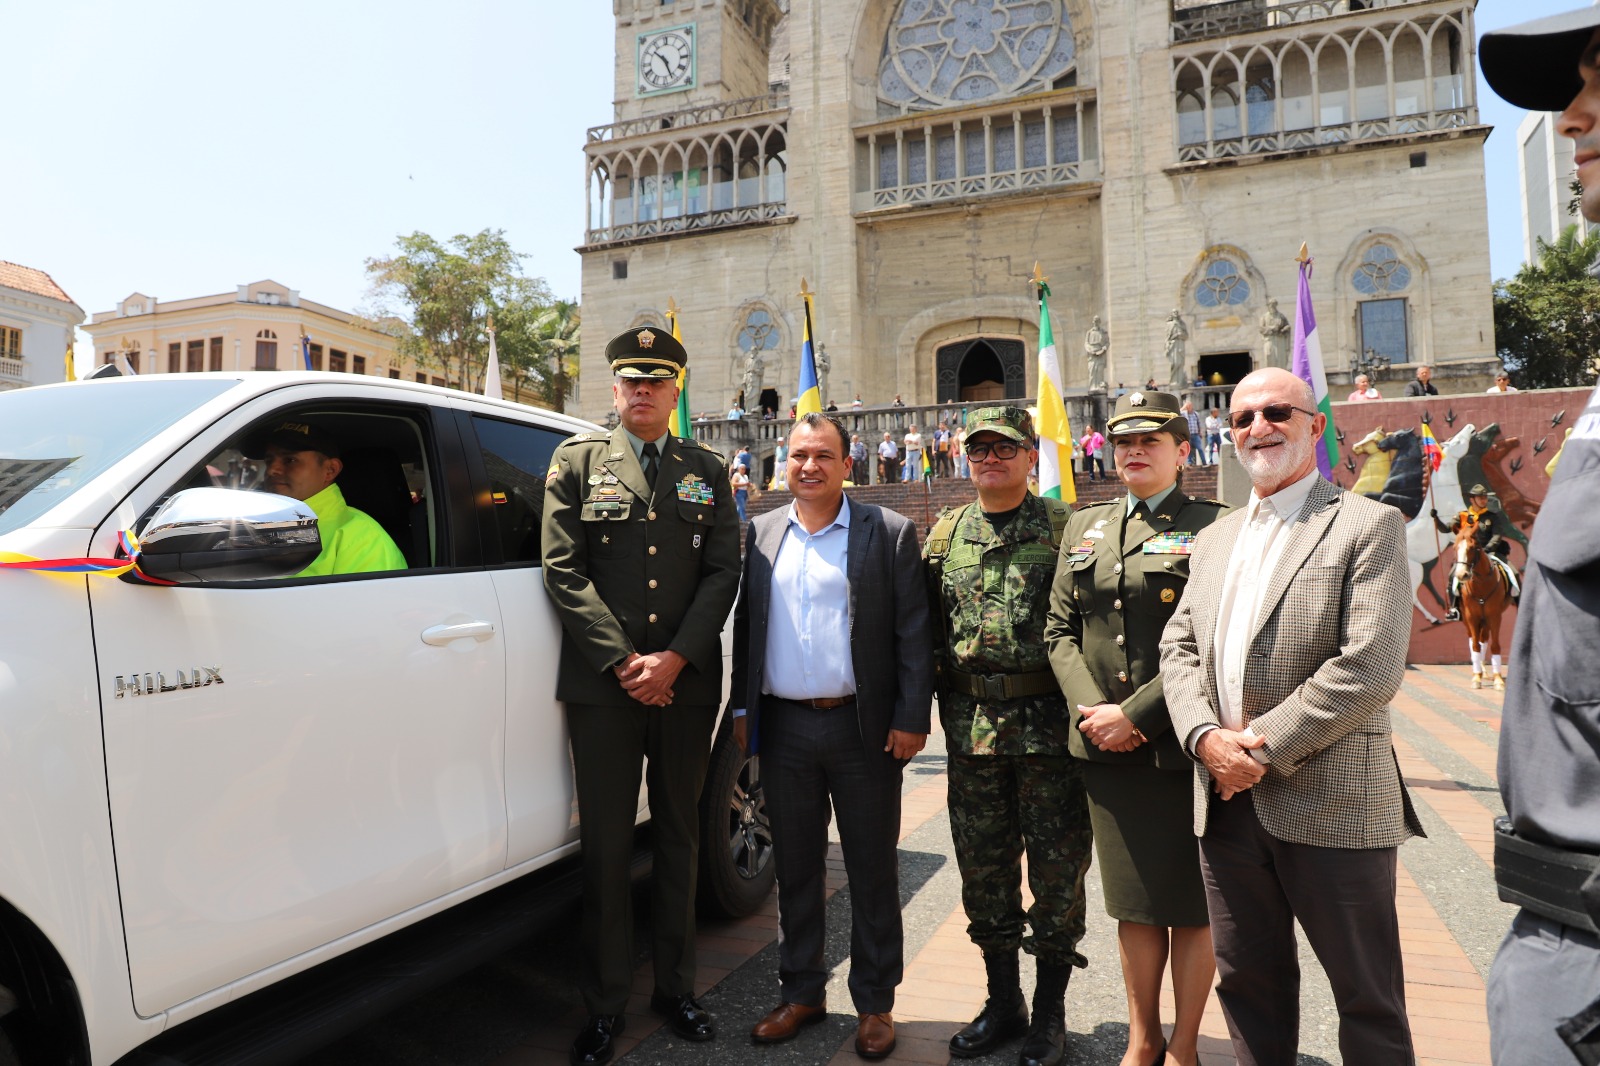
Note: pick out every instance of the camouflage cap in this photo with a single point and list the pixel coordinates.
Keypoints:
(1013, 423)
(646, 352)
(1141, 411)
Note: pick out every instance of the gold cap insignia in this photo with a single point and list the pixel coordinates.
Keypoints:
(646, 339)
(1136, 400)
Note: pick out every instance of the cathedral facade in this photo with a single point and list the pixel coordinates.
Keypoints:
(1160, 159)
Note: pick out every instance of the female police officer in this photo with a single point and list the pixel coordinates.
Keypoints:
(1121, 573)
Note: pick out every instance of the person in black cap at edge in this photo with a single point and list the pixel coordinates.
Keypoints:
(641, 562)
(1544, 988)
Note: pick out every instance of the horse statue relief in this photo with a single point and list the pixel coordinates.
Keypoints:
(1422, 539)
(1375, 471)
(1485, 594)
(1402, 488)
(1521, 510)
(1473, 470)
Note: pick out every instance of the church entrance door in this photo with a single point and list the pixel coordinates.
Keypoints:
(980, 370)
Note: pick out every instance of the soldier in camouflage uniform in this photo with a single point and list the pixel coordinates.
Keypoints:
(1012, 782)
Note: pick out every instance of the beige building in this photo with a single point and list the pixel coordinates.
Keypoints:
(256, 327)
(36, 323)
(913, 159)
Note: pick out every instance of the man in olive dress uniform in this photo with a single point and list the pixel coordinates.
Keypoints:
(1012, 782)
(641, 560)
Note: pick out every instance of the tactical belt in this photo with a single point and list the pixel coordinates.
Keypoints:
(1552, 882)
(1001, 686)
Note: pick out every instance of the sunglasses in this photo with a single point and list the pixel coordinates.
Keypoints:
(1273, 412)
(1003, 449)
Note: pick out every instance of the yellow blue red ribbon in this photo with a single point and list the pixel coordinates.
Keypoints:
(126, 563)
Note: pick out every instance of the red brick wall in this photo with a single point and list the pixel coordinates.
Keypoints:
(1524, 415)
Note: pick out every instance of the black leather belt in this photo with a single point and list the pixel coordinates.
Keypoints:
(1001, 686)
(1550, 881)
(825, 703)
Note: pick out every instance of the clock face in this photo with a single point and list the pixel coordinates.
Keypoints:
(666, 60)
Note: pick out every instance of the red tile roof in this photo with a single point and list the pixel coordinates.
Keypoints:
(27, 279)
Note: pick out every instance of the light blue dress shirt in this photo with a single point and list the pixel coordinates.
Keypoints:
(808, 618)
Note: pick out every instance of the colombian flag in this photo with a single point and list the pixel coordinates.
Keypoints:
(1431, 452)
(679, 423)
(810, 396)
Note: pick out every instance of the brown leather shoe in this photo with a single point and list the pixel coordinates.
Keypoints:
(783, 1023)
(875, 1036)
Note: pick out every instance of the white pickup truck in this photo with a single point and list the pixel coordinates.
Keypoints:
(212, 785)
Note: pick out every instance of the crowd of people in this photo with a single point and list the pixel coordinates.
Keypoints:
(1196, 695)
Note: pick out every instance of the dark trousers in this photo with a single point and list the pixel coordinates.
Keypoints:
(1545, 973)
(809, 758)
(1256, 887)
(609, 747)
(999, 805)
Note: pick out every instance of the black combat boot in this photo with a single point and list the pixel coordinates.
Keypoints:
(1047, 1036)
(1004, 1016)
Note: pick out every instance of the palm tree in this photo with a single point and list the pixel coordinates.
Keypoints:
(556, 332)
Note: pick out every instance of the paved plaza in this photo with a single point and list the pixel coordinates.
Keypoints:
(522, 1010)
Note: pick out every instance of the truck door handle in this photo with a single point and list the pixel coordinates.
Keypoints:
(439, 636)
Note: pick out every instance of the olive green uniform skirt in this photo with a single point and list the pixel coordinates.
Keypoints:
(1144, 838)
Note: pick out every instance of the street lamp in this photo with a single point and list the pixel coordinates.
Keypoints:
(1368, 362)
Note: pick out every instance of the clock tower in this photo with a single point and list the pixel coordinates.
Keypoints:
(676, 54)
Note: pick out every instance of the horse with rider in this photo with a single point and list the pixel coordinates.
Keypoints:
(1496, 539)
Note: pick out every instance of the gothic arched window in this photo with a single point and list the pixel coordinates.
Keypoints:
(1221, 284)
(1380, 271)
(941, 53)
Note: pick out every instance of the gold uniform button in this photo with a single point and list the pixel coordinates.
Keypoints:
(652, 582)
(1167, 565)
(1122, 675)
(652, 549)
(1116, 605)
(1117, 569)
(1120, 640)
(652, 618)
(652, 516)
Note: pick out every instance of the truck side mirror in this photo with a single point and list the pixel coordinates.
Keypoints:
(208, 534)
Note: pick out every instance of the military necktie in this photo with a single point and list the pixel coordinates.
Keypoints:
(651, 464)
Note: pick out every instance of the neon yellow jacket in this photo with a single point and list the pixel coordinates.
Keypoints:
(352, 541)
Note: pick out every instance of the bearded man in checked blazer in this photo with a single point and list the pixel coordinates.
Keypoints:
(1279, 665)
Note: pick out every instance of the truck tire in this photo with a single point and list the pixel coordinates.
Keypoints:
(736, 871)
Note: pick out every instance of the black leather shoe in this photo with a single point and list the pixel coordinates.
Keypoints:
(684, 1016)
(596, 1042)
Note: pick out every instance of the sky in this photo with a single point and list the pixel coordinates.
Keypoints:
(181, 148)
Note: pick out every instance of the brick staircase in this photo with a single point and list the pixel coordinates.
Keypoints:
(922, 503)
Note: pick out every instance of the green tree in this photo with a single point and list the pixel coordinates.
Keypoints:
(1547, 317)
(538, 346)
(444, 294)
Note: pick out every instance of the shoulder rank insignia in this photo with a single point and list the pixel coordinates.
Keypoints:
(1169, 544)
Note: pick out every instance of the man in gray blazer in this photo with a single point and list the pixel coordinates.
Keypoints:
(833, 685)
(1279, 666)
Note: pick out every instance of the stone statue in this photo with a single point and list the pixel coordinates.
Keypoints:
(1096, 343)
(823, 365)
(1177, 335)
(1274, 337)
(753, 372)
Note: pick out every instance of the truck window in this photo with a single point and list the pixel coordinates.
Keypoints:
(516, 457)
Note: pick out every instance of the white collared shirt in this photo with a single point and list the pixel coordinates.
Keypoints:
(808, 613)
(1251, 568)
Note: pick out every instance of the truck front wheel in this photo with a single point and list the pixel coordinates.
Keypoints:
(736, 871)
